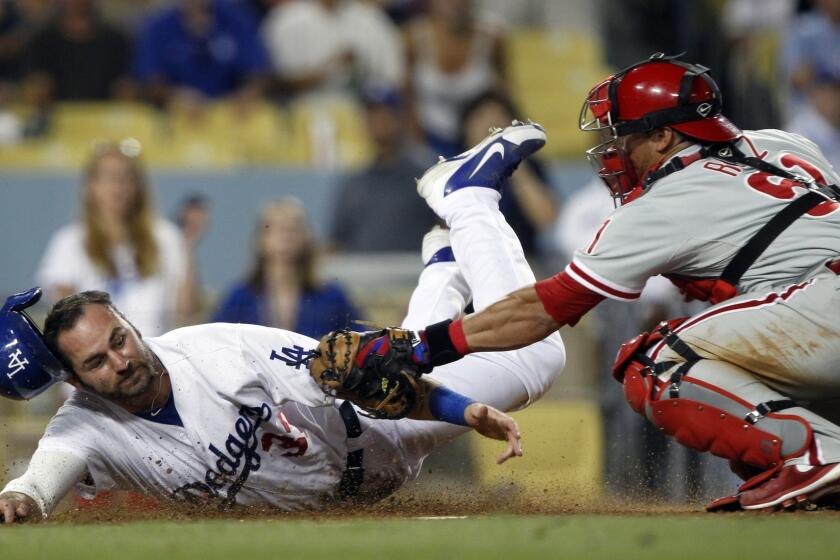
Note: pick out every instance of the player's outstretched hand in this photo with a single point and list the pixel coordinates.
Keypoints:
(17, 508)
(495, 424)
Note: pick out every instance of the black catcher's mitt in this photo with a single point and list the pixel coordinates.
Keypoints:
(374, 370)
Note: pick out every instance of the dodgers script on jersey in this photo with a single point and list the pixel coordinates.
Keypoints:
(692, 222)
(256, 428)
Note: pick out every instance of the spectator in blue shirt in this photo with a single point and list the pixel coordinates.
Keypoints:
(200, 49)
(282, 289)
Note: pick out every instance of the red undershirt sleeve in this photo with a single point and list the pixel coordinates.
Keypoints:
(565, 299)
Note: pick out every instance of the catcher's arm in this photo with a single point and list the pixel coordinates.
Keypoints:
(380, 372)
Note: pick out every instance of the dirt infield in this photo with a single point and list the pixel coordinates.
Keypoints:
(453, 504)
(462, 524)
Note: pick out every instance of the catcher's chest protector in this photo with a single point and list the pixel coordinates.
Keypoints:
(704, 417)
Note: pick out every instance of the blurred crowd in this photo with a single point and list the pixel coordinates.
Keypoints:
(430, 78)
(178, 55)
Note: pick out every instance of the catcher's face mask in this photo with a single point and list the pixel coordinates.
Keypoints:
(610, 157)
(654, 93)
(611, 161)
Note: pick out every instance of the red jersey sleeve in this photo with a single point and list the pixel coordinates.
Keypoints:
(565, 299)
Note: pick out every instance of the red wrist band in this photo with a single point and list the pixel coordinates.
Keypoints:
(458, 338)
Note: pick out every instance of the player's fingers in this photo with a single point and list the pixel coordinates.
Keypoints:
(514, 439)
(7, 512)
(513, 450)
(23, 510)
(505, 456)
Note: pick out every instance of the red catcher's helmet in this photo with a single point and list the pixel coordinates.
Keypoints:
(660, 91)
(655, 93)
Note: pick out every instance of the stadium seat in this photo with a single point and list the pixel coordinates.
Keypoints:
(333, 133)
(551, 73)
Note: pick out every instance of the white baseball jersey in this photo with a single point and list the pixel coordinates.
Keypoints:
(255, 426)
(694, 221)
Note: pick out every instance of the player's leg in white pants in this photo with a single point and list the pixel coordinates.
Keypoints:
(489, 265)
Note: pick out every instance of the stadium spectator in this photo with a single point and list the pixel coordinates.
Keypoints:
(261, 7)
(527, 203)
(192, 216)
(379, 201)
(198, 50)
(632, 29)
(753, 30)
(331, 47)
(121, 246)
(811, 51)
(282, 289)
(452, 58)
(78, 57)
(819, 118)
(811, 59)
(18, 22)
(402, 11)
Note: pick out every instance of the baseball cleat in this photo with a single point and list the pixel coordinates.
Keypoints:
(436, 246)
(485, 165)
(794, 487)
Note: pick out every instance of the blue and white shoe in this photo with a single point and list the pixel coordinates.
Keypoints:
(436, 247)
(486, 165)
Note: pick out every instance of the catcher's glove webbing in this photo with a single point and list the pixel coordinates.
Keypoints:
(374, 370)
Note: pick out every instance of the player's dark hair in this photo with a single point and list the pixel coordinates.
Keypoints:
(490, 96)
(66, 312)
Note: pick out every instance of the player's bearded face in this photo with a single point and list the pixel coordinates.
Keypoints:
(110, 359)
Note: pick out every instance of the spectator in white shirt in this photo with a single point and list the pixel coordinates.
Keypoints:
(120, 245)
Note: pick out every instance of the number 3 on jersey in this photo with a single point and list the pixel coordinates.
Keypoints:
(293, 441)
(785, 189)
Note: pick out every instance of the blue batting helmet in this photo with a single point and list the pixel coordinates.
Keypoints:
(27, 367)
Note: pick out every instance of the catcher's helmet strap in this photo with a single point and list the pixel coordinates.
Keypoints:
(758, 243)
(676, 164)
(692, 72)
(666, 117)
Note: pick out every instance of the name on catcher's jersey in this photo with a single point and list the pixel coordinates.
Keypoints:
(694, 221)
